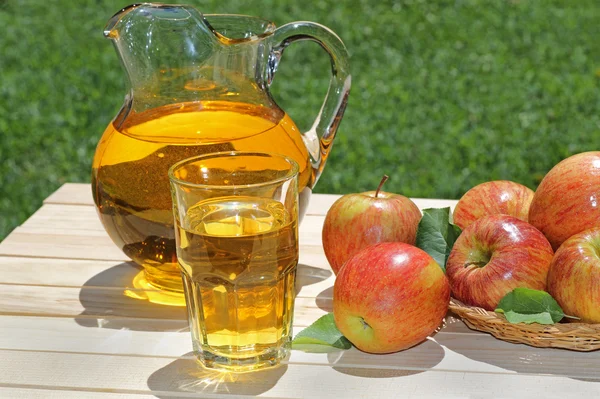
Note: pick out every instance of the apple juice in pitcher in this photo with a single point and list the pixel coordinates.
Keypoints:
(130, 182)
(198, 84)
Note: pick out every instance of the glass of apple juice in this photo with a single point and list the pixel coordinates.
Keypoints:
(236, 230)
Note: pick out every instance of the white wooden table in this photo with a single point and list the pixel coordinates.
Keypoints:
(67, 331)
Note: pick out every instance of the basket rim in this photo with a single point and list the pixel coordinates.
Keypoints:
(533, 327)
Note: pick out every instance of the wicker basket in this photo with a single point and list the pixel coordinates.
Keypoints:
(573, 336)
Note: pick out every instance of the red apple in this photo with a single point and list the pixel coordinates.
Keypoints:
(389, 297)
(567, 200)
(574, 276)
(356, 221)
(495, 255)
(491, 198)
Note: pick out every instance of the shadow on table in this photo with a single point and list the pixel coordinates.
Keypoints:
(417, 359)
(324, 300)
(308, 275)
(185, 375)
(109, 300)
(524, 359)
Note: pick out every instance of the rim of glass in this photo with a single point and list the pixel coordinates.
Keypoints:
(291, 173)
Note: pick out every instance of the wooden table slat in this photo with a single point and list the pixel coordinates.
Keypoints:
(72, 194)
(147, 374)
(61, 219)
(87, 305)
(14, 391)
(490, 355)
(312, 269)
(93, 246)
(80, 194)
(103, 302)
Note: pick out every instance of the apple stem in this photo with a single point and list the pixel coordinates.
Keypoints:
(383, 180)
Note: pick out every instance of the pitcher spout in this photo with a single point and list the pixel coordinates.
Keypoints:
(162, 48)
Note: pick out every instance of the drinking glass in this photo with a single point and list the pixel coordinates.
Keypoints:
(236, 230)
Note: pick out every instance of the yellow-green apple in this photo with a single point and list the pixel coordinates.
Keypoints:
(491, 198)
(574, 276)
(389, 297)
(495, 255)
(567, 201)
(356, 221)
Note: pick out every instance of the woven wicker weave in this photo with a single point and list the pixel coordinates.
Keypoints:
(574, 336)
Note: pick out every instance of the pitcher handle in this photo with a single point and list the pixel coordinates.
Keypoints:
(319, 138)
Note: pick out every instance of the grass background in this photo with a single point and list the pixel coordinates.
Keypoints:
(445, 95)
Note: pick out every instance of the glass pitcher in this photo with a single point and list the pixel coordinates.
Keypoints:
(199, 84)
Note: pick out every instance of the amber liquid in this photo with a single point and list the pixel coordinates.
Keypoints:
(130, 182)
(238, 257)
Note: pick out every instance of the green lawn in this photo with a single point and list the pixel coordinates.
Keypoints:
(445, 95)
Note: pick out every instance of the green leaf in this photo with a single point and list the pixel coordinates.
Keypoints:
(321, 336)
(436, 235)
(541, 318)
(524, 305)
